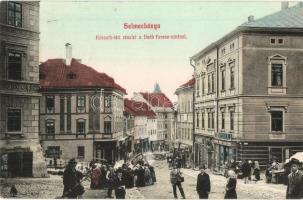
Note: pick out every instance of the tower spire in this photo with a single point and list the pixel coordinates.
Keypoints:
(157, 88)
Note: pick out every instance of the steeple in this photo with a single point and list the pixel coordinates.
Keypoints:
(157, 88)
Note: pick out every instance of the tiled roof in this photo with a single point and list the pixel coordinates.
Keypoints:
(291, 17)
(189, 83)
(157, 99)
(138, 108)
(56, 74)
(286, 19)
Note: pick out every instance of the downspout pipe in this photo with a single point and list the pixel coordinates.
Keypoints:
(193, 111)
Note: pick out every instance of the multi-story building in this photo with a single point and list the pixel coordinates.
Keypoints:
(81, 112)
(145, 124)
(184, 121)
(163, 108)
(249, 92)
(21, 152)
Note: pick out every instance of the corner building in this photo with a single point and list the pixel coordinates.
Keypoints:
(20, 150)
(248, 92)
(81, 113)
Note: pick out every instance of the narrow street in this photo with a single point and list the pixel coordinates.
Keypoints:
(52, 187)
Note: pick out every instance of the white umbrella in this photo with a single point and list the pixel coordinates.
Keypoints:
(298, 156)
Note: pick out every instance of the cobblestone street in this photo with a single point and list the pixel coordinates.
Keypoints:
(52, 187)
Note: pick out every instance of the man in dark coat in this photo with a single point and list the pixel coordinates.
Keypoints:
(119, 185)
(203, 184)
(71, 181)
(295, 183)
(246, 170)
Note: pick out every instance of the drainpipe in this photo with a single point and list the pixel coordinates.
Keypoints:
(193, 111)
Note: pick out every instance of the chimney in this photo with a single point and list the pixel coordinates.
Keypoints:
(250, 18)
(284, 5)
(68, 49)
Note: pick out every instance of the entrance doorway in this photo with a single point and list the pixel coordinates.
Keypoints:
(20, 164)
(105, 150)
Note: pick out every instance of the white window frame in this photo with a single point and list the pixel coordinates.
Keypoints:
(277, 59)
(277, 108)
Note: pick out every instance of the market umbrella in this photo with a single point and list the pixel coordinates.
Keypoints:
(297, 158)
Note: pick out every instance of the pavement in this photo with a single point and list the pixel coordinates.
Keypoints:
(52, 187)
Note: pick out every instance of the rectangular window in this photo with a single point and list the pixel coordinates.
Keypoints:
(50, 127)
(209, 84)
(107, 127)
(208, 120)
(81, 127)
(232, 78)
(212, 120)
(81, 151)
(14, 14)
(53, 151)
(223, 80)
(203, 120)
(80, 101)
(212, 82)
(14, 65)
(276, 74)
(198, 87)
(277, 121)
(203, 85)
(50, 104)
(280, 41)
(69, 115)
(272, 41)
(198, 120)
(107, 103)
(232, 113)
(62, 117)
(14, 120)
(222, 120)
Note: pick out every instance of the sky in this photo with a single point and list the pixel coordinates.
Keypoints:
(137, 64)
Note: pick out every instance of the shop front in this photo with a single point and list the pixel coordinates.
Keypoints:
(225, 150)
(185, 152)
(203, 151)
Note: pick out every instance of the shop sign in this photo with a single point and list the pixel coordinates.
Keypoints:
(225, 136)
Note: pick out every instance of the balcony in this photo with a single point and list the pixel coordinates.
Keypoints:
(64, 136)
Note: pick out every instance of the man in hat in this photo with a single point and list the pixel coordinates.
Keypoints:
(176, 181)
(71, 181)
(295, 183)
(203, 184)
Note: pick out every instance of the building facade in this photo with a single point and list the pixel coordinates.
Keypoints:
(248, 93)
(184, 121)
(21, 152)
(81, 112)
(145, 124)
(163, 108)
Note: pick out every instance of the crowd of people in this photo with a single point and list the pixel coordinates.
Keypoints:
(105, 176)
(248, 170)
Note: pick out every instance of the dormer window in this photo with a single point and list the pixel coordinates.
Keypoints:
(71, 75)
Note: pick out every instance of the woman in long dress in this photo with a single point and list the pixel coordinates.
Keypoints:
(231, 185)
